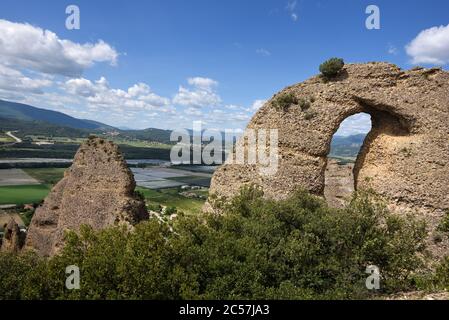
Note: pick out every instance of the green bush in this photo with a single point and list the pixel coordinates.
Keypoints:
(309, 115)
(305, 104)
(444, 224)
(331, 67)
(442, 274)
(283, 101)
(154, 207)
(297, 248)
(170, 210)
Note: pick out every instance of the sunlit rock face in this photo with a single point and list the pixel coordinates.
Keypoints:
(97, 190)
(13, 238)
(405, 157)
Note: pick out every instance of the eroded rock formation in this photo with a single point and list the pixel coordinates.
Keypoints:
(405, 157)
(97, 190)
(13, 239)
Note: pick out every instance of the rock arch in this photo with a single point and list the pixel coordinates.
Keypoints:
(405, 157)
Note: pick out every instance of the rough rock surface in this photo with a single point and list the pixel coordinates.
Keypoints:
(405, 157)
(12, 239)
(97, 190)
(339, 183)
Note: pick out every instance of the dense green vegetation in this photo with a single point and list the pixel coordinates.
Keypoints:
(257, 249)
(33, 127)
(23, 194)
(331, 67)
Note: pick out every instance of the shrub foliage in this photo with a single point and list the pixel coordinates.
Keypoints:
(257, 249)
(331, 67)
(283, 101)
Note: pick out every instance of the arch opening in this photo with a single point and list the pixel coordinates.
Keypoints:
(345, 152)
(350, 150)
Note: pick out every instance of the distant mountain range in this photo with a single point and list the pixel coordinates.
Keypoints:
(29, 120)
(19, 111)
(347, 146)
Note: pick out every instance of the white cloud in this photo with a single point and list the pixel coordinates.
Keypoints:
(193, 112)
(431, 46)
(257, 105)
(139, 89)
(83, 87)
(263, 52)
(357, 124)
(291, 9)
(232, 107)
(392, 50)
(202, 83)
(15, 81)
(25, 46)
(202, 93)
(99, 95)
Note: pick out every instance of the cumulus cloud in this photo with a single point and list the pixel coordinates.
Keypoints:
(431, 46)
(357, 124)
(16, 81)
(99, 95)
(202, 83)
(25, 46)
(201, 94)
(193, 112)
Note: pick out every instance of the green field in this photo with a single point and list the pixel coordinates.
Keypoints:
(171, 198)
(36, 193)
(46, 175)
(23, 194)
(5, 139)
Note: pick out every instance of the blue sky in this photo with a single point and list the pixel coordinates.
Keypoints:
(164, 64)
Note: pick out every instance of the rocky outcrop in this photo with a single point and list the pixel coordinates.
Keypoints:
(405, 157)
(339, 183)
(97, 190)
(12, 239)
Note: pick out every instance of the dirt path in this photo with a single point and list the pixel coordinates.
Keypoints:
(10, 134)
(16, 177)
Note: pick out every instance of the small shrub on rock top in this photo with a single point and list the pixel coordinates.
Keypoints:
(331, 67)
(305, 104)
(444, 224)
(284, 100)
